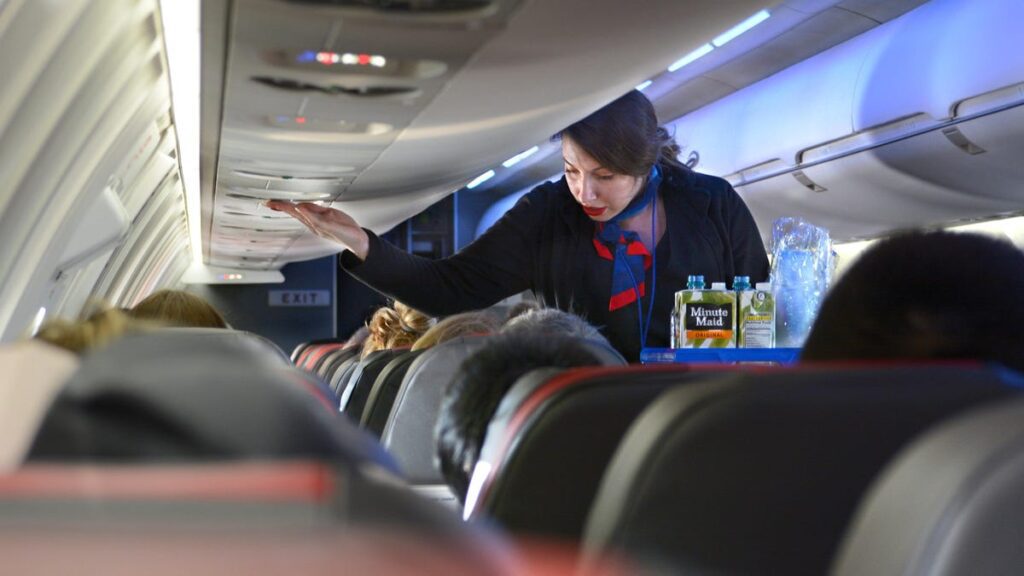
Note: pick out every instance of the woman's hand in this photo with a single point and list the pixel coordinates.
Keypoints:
(329, 223)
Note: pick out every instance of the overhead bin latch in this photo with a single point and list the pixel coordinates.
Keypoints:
(954, 135)
(807, 182)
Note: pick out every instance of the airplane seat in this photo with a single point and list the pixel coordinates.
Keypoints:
(331, 360)
(302, 347)
(299, 354)
(252, 517)
(255, 343)
(604, 352)
(761, 473)
(357, 390)
(316, 353)
(409, 431)
(298, 351)
(185, 394)
(551, 439)
(951, 503)
(385, 389)
(341, 374)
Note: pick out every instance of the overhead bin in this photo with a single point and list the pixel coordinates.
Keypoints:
(917, 122)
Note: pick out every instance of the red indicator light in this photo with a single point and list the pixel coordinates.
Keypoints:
(300, 119)
(364, 59)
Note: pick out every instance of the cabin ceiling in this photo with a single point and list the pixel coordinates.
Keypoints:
(460, 91)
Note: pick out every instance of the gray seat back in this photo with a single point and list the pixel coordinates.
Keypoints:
(952, 503)
(409, 432)
(760, 473)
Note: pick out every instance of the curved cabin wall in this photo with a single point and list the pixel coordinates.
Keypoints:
(87, 141)
(917, 122)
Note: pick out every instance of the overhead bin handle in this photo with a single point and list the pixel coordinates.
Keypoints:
(954, 135)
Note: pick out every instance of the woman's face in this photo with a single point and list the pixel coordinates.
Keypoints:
(601, 192)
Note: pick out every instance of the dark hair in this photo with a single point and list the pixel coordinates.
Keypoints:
(926, 295)
(474, 393)
(625, 137)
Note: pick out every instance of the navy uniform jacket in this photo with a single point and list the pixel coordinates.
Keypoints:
(545, 244)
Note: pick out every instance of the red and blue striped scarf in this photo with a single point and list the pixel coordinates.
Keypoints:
(630, 259)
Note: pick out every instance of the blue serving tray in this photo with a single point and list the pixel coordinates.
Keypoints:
(708, 355)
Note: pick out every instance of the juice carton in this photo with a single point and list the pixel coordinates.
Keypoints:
(757, 317)
(707, 318)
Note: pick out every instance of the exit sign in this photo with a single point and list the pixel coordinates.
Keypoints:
(299, 297)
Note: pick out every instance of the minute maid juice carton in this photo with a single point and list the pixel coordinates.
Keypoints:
(707, 318)
(757, 317)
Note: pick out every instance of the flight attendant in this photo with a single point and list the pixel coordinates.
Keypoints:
(612, 241)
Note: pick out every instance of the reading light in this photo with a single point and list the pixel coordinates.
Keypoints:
(643, 85)
(741, 28)
(480, 179)
(519, 157)
(691, 57)
(199, 273)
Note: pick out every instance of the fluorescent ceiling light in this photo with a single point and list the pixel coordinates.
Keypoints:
(689, 58)
(519, 157)
(741, 28)
(181, 38)
(480, 179)
(643, 85)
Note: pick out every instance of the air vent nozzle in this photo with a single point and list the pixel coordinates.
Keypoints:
(359, 91)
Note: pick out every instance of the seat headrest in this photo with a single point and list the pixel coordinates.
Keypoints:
(409, 432)
(952, 503)
(184, 394)
(198, 519)
(761, 473)
(547, 418)
(605, 354)
(237, 339)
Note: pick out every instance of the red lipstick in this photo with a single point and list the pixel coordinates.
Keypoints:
(593, 212)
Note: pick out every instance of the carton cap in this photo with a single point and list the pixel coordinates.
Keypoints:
(718, 285)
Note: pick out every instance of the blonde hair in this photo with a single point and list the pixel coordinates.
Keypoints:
(395, 326)
(457, 325)
(95, 331)
(178, 308)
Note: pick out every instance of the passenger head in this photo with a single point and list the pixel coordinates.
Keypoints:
(178, 308)
(552, 321)
(474, 393)
(521, 308)
(465, 324)
(395, 326)
(95, 331)
(357, 338)
(927, 296)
